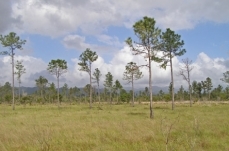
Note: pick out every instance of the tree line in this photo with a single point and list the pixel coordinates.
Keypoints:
(47, 93)
(150, 43)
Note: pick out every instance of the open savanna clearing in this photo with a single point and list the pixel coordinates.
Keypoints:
(114, 127)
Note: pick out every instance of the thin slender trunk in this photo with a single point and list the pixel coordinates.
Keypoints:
(117, 96)
(171, 67)
(13, 103)
(190, 94)
(208, 95)
(90, 88)
(41, 91)
(90, 93)
(19, 91)
(110, 97)
(190, 88)
(58, 92)
(150, 89)
(132, 90)
(99, 93)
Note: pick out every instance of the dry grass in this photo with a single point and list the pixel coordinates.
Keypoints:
(117, 127)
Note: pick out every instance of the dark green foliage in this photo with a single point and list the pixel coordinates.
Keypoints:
(208, 84)
(86, 58)
(146, 91)
(180, 93)
(41, 83)
(57, 68)
(65, 91)
(109, 80)
(161, 95)
(20, 70)
(108, 83)
(225, 77)
(73, 93)
(12, 41)
(52, 93)
(86, 89)
(96, 77)
(124, 96)
(8, 98)
(171, 46)
(117, 87)
(199, 89)
(170, 88)
(194, 88)
(147, 46)
(5, 92)
(146, 33)
(227, 93)
(217, 93)
(132, 72)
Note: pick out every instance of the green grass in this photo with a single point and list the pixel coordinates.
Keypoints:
(116, 127)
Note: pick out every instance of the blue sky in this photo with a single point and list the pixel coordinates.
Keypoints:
(209, 37)
(64, 29)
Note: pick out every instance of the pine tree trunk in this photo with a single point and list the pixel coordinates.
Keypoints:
(171, 67)
(209, 95)
(190, 94)
(150, 89)
(132, 90)
(19, 94)
(110, 98)
(13, 103)
(58, 92)
(99, 94)
(90, 87)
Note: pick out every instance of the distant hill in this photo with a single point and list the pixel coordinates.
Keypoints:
(28, 90)
(155, 89)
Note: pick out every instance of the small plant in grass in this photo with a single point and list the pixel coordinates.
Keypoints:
(166, 129)
(43, 138)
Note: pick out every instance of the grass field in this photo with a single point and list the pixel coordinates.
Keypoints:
(116, 127)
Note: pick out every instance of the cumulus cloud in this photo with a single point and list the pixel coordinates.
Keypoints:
(8, 21)
(75, 42)
(31, 64)
(79, 43)
(93, 17)
(113, 41)
(204, 67)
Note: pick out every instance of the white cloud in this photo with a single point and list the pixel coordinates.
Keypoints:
(79, 43)
(93, 17)
(113, 41)
(8, 21)
(31, 64)
(75, 42)
(204, 67)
